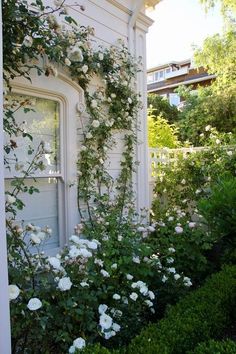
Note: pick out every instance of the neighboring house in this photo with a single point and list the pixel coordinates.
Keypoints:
(164, 79)
(63, 98)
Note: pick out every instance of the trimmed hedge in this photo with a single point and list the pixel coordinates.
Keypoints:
(200, 316)
(214, 347)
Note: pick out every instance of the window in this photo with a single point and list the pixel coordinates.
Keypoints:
(58, 102)
(44, 124)
(161, 75)
(156, 76)
(174, 99)
(150, 78)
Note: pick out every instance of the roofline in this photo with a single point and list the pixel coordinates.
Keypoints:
(151, 3)
(209, 77)
(161, 66)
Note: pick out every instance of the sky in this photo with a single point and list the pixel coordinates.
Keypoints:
(179, 24)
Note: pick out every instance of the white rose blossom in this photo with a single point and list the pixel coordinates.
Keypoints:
(116, 297)
(116, 327)
(151, 295)
(10, 199)
(14, 291)
(177, 276)
(129, 277)
(64, 284)
(100, 56)
(92, 245)
(144, 290)
(34, 304)
(136, 259)
(79, 343)
(84, 284)
(67, 62)
(164, 279)
(179, 229)
(171, 270)
(95, 123)
(94, 104)
(102, 308)
(28, 41)
(75, 54)
(54, 262)
(74, 252)
(85, 69)
(35, 239)
(105, 321)
(141, 229)
(89, 135)
(109, 334)
(133, 296)
(104, 273)
(149, 303)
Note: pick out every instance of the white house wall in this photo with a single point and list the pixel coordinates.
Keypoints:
(111, 21)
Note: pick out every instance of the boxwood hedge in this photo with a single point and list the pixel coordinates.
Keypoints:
(202, 315)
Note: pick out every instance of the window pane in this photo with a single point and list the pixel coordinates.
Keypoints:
(41, 209)
(43, 125)
(156, 76)
(150, 78)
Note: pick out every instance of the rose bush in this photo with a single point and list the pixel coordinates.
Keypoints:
(98, 288)
(183, 192)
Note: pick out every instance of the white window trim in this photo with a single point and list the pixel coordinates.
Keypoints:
(71, 106)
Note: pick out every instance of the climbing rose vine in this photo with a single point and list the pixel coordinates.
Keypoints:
(98, 287)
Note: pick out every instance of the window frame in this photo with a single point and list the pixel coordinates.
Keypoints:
(71, 106)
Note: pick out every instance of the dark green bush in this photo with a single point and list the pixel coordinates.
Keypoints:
(94, 349)
(200, 316)
(215, 347)
(219, 210)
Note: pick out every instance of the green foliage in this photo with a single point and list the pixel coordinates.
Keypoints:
(226, 5)
(224, 347)
(94, 349)
(184, 180)
(160, 132)
(218, 56)
(219, 210)
(180, 184)
(214, 105)
(208, 107)
(162, 107)
(191, 245)
(202, 315)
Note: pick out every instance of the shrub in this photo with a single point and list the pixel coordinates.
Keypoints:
(160, 132)
(224, 347)
(94, 349)
(161, 106)
(219, 210)
(187, 178)
(202, 315)
(190, 242)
